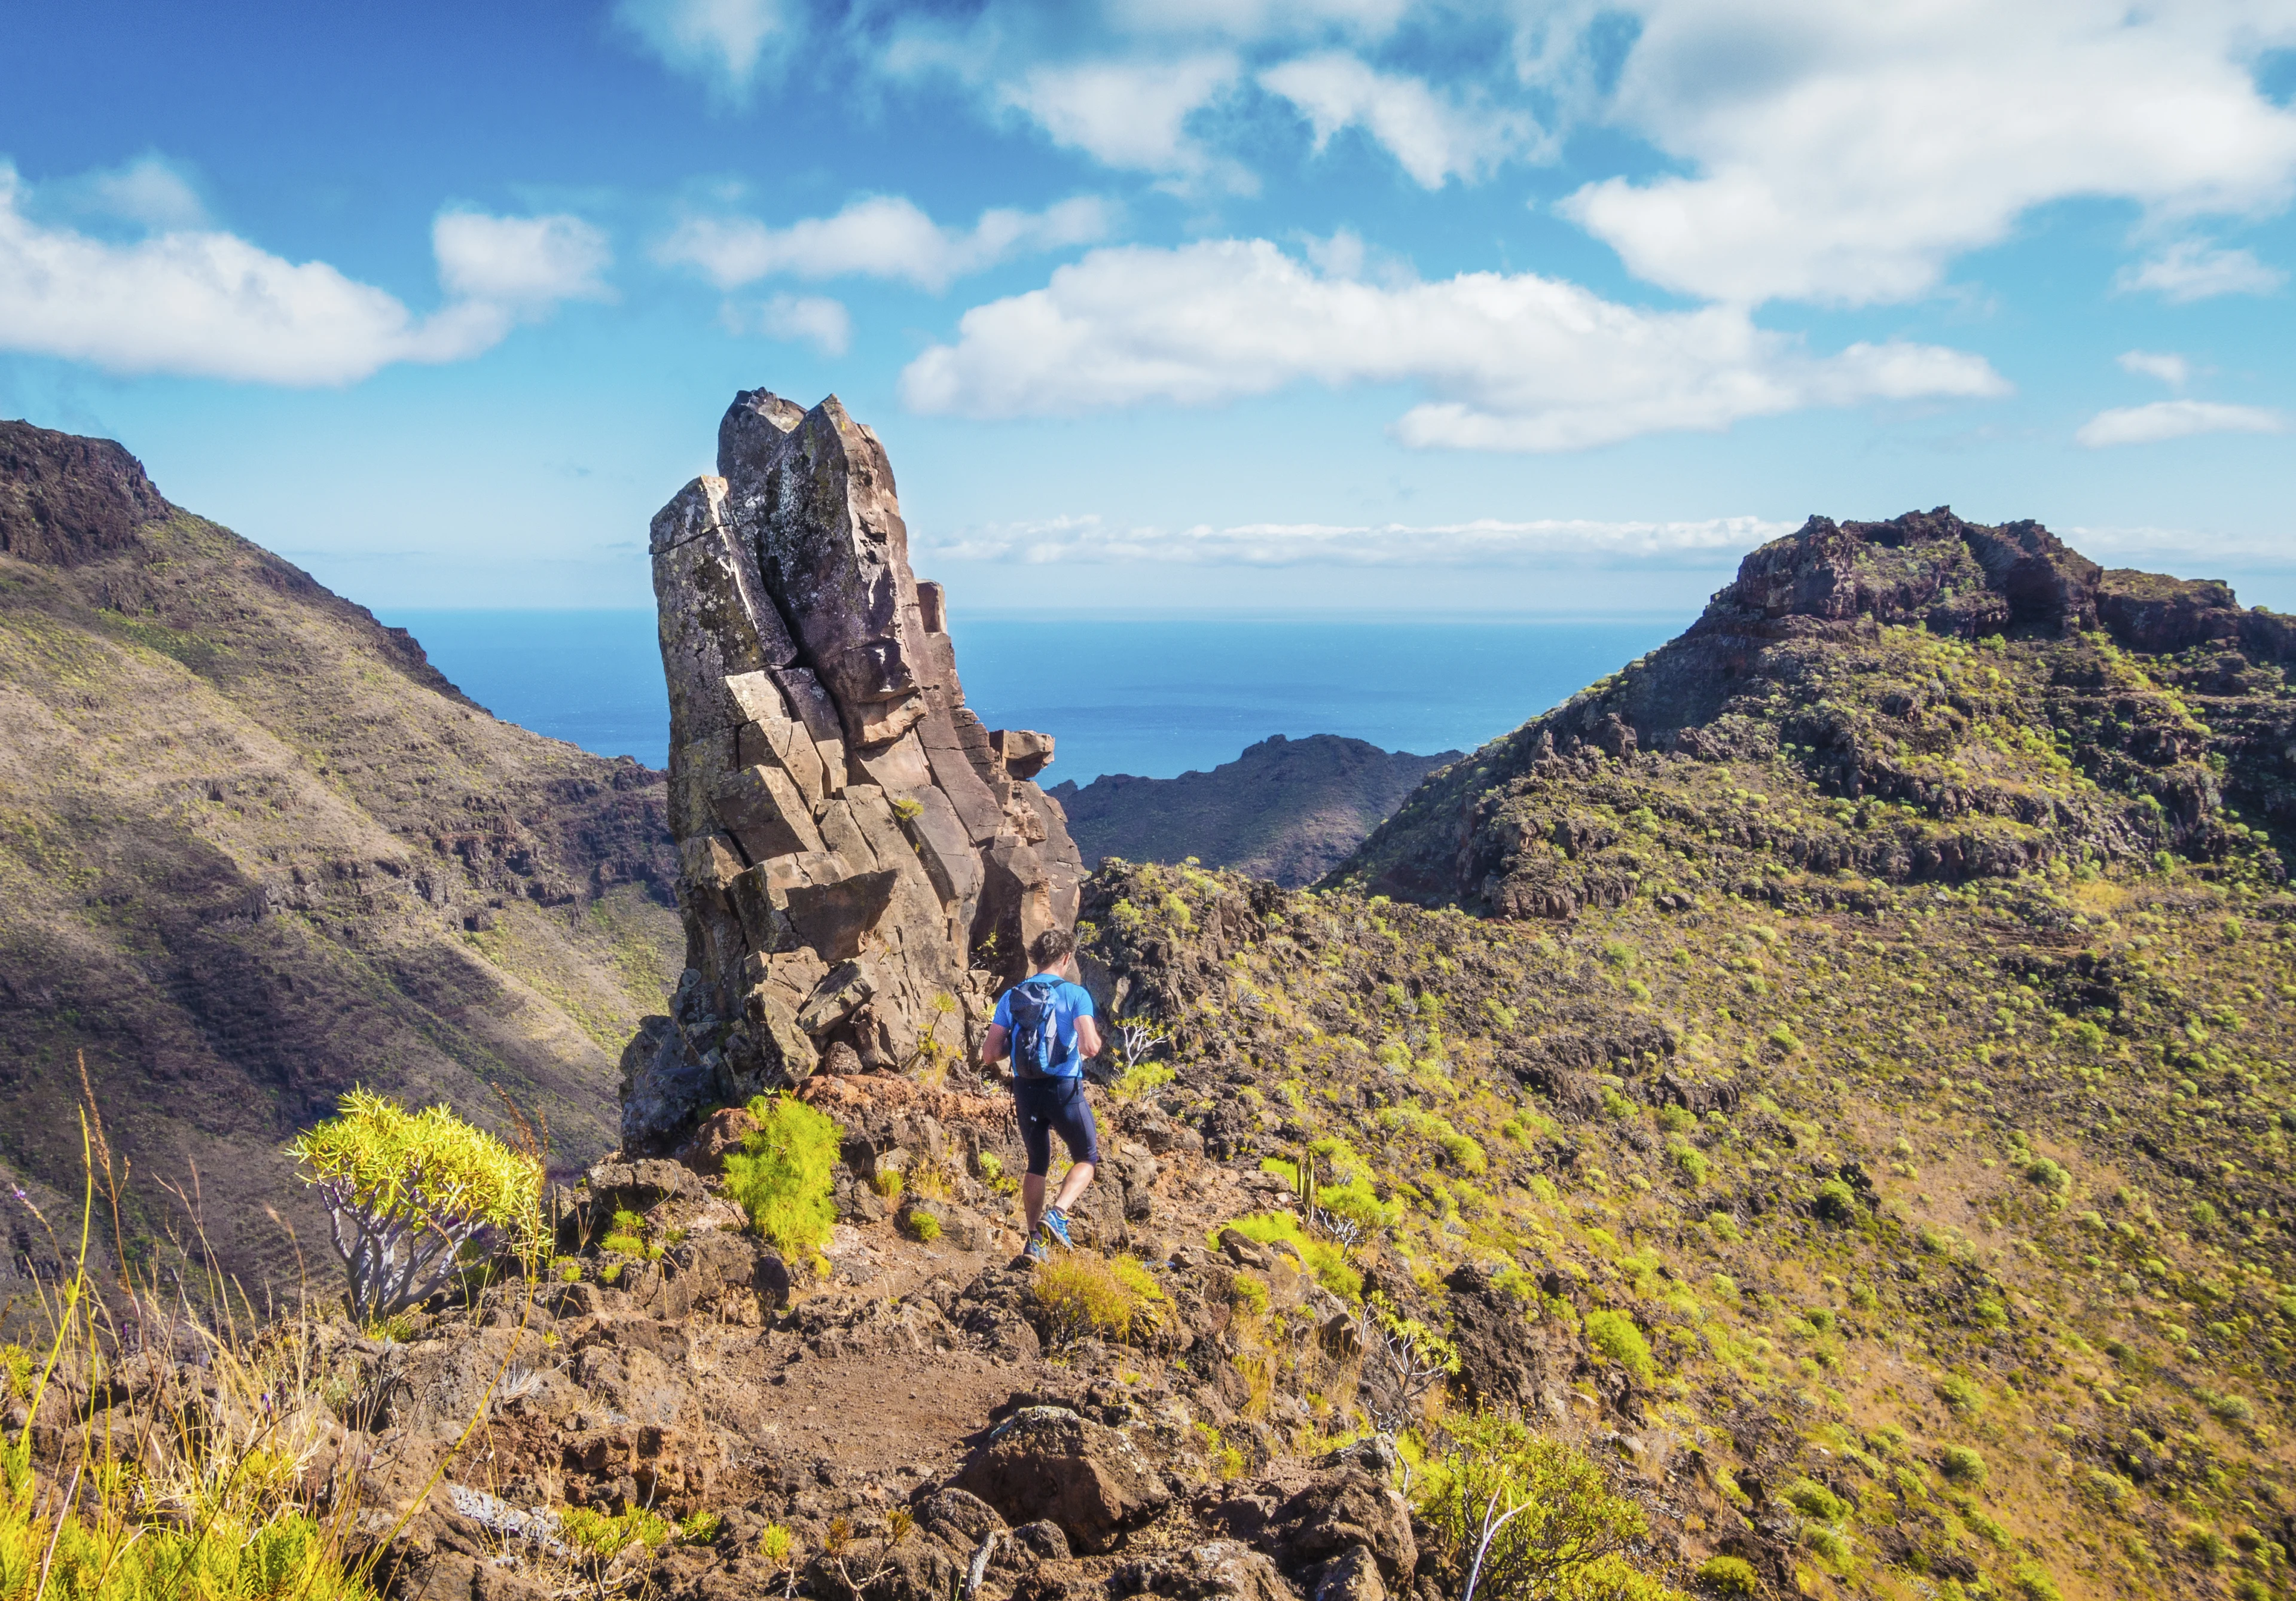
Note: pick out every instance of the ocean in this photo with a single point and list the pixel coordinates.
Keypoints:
(1155, 699)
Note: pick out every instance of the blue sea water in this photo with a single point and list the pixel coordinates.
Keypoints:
(1147, 697)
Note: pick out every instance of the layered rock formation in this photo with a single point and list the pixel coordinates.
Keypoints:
(863, 860)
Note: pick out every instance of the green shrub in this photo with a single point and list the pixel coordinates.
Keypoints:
(1813, 1499)
(1616, 1336)
(1962, 1394)
(1962, 1465)
(2031, 1581)
(1355, 1203)
(288, 1557)
(1724, 1227)
(783, 1174)
(1113, 1297)
(1571, 1530)
(417, 1195)
(1729, 1576)
(922, 1225)
(2048, 1175)
(1837, 1201)
(602, 1537)
(1689, 1158)
(1325, 1260)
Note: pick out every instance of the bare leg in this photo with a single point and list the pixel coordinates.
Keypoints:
(1032, 1202)
(1071, 1186)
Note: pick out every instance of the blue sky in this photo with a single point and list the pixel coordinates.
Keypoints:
(1347, 305)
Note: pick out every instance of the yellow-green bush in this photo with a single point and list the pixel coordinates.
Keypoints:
(605, 1536)
(1325, 1260)
(1615, 1334)
(1113, 1297)
(287, 1557)
(1569, 1531)
(1729, 1576)
(1962, 1464)
(783, 1174)
(420, 1192)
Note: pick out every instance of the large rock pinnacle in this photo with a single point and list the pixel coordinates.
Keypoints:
(863, 862)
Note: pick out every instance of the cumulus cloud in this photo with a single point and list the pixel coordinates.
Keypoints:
(520, 261)
(2170, 369)
(150, 191)
(813, 320)
(2192, 269)
(1127, 113)
(723, 43)
(884, 236)
(1509, 362)
(2173, 420)
(1431, 136)
(201, 302)
(1481, 542)
(1846, 153)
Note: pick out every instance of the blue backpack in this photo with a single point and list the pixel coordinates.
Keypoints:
(1035, 1028)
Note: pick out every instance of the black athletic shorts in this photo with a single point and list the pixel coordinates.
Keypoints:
(1047, 1106)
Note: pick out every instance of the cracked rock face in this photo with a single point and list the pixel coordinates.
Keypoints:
(862, 861)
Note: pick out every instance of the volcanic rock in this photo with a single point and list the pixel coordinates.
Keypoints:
(861, 857)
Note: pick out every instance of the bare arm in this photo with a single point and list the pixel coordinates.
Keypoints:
(992, 1045)
(1087, 1034)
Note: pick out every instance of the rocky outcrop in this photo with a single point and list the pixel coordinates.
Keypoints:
(1838, 650)
(862, 859)
(65, 500)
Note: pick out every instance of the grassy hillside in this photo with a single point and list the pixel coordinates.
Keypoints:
(253, 849)
(1866, 1113)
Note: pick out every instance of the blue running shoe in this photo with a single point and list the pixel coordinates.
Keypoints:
(1036, 1251)
(1055, 1225)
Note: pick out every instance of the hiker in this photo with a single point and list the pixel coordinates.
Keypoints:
(1047, 1023)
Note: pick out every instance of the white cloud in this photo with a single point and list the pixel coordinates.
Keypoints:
(813, 320)
(2173, 420)
(2192, 269)
(520, 261)
(149, 192)
(1511, 363)
(1127, 113)
(2172, 370)
(1846, 153)
(1433, 138)
(204, 303)
(1483, 542)
(885, 236)
(723, 43)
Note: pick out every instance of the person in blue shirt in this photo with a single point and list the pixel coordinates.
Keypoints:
(1046, 1023)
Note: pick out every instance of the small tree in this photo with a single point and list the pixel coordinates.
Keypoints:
(1137, 1038)
(1404, 1361)
(1521, 1516)
(413, 1195)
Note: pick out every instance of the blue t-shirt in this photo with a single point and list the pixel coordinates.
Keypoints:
(1070, 1002)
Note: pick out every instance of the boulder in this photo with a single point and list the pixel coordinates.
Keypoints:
(1024, 754)
(1218, 1569)
(1047, 1462)
(721, 1131)
(1353, 1575)
(1340, 1509)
